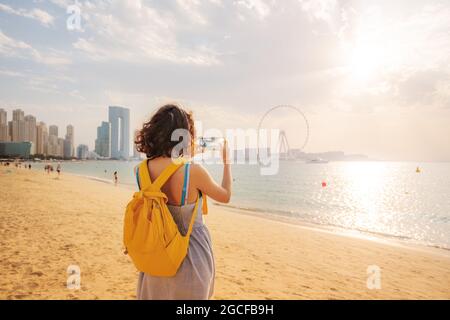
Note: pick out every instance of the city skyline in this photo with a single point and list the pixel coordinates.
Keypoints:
(45, 141)
(113, 137)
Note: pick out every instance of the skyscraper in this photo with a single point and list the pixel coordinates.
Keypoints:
(18, 126)
(119, 118)
(53, 149)
(18, 114)
(103, 141)
(82, 151)
(10, 130)
(4, 135)
(3, 116)
(41, 138)
(30, 132)
(69, 142)
(52, 146)
(53, 130)
(60, 148)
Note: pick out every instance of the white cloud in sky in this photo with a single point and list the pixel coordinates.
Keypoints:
(324, 10)
(260, 8)
(191, 8)
(10, 47)
(131, 31)
(39, 15)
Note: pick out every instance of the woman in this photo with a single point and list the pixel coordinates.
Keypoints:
(195, 277)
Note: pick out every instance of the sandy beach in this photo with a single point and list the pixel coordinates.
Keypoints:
(48, 224)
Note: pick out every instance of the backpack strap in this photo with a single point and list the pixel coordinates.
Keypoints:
(184, 193)
(137, 178)
(204, 204)
(144, 177)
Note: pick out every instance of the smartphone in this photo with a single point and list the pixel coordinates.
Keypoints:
(211, 143)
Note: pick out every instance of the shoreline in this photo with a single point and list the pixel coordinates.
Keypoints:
(340, 232)
(337, 230)
(49, 224)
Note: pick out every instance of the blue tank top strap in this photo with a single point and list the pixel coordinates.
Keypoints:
(137, 178)
(184, 194)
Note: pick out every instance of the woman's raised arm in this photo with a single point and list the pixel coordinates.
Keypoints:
(206, 184)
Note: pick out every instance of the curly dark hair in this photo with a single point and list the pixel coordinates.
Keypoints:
(154, 139)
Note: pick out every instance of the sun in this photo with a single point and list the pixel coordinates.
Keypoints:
(364, 62)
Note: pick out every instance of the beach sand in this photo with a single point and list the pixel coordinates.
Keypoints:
(48, 224)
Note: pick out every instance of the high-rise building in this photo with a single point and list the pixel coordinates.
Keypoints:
(10, 130)
(67, 149)
(53, 148)
(30, 128)
(60, 148)
(82, 151)
(17, 131)
(4, 134)
(119, 118)
(41, 138)
(18, 115)
(30, 132)
(69, 142)
(18, 126)
(103, 141)
(53, 130)
(3, 116)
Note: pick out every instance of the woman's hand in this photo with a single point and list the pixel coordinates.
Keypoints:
(225, 152)
(206, 184)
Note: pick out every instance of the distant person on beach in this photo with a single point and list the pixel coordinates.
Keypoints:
(115, 178)
(58, 169)
(29, 166)
(195, 277)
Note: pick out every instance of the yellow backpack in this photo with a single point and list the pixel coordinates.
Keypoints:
(150, 235)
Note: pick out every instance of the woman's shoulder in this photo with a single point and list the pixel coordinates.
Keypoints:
(197, 169)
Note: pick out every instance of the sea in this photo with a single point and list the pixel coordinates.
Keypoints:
(385, 199)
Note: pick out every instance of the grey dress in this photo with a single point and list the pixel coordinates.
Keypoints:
(194, 279)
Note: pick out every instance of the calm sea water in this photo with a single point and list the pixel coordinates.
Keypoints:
(383, 198)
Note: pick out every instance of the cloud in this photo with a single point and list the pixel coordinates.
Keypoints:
(259, 7)
(131, 31)
(322, 10)
(10, 47)
(62, 3)
(39, 15)
(44, 82)
(191, 8)
(11, 73)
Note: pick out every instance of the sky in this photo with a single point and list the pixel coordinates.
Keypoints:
(371, 77)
